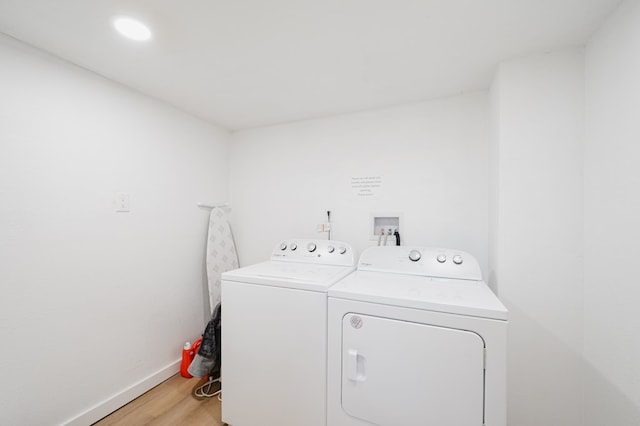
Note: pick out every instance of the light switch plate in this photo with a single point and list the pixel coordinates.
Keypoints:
(123, 203)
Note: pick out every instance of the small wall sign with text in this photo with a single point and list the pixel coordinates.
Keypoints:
(366, 186)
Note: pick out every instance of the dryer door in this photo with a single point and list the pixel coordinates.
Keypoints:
(403, 373)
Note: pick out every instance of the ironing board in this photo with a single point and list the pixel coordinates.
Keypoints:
(221, 253)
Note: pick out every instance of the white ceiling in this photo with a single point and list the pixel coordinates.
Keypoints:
(247, 63)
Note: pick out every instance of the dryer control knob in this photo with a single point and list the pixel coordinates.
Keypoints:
(441, 258)
(342, 250)
(293, 246)
(457, 259)
(311, 247)
(331, 249)
(414, 255)
(283, 246)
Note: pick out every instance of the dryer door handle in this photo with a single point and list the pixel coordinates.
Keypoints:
(355, 366)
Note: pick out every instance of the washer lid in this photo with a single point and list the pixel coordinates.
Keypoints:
(462, 297)
(301, 276)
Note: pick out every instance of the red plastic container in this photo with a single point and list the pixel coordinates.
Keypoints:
(187, 356)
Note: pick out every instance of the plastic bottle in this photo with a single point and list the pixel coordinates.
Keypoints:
(187, 356)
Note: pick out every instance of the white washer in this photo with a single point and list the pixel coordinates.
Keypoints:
(274, 334)
(416, 338)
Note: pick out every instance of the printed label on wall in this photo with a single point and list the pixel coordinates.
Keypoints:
(366, 186)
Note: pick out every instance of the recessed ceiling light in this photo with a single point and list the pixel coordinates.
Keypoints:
(132, 28)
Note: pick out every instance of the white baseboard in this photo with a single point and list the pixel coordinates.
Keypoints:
(127, 395)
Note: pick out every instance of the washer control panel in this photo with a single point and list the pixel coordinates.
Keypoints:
(326, 252)
(425, 261)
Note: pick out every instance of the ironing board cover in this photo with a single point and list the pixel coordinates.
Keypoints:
(221, 253)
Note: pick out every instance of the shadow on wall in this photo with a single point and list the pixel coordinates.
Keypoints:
(606, 404)
(544, 369)
(492, 282)
(206, 305)
(550, 383)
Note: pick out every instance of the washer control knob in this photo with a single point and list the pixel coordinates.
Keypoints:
(311, 247)
(293, 246)
(283, 246)
(342, 250)
(331, 249)
(457, 259)
(441, 258)
(414, 255)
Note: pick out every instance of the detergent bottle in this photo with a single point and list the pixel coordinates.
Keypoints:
(187, 356)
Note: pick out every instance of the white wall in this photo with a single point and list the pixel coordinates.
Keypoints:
(536, 263)
(95, 302)
(432, 158)
(612, 226)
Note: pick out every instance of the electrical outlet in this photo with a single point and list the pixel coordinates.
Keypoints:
(323, 227)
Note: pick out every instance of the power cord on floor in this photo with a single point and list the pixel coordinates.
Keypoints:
(209, 389)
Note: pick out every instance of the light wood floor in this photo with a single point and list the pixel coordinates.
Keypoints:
(169, 403)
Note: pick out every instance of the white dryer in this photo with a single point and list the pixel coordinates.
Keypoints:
(416, 338)
(274, 334)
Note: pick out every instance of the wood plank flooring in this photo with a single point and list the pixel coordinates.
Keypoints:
(169, 403)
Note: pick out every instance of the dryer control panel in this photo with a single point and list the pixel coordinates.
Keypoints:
(322, 252)
(424, 261)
